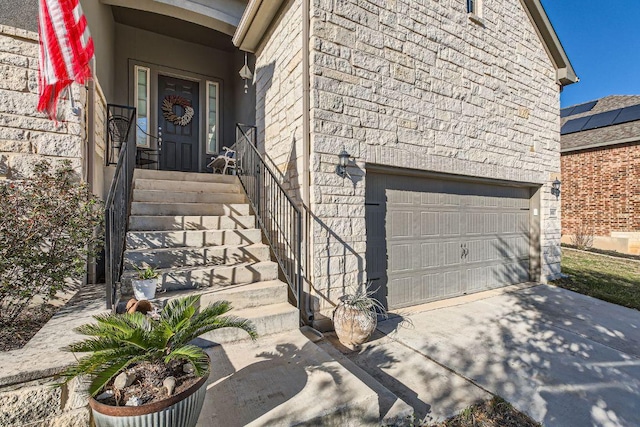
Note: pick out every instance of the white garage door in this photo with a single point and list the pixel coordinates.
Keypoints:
(430, 239)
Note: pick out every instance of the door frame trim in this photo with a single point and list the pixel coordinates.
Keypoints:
(201, 79)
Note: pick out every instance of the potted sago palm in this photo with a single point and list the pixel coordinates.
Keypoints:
(143, 369)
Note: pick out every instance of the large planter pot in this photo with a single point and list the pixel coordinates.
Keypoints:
(353, 326)
(144, 289)
(181, 410)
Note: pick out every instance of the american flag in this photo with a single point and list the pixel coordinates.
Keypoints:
(65, 50)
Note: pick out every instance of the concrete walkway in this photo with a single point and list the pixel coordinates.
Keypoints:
(564, 358)
(287, 380)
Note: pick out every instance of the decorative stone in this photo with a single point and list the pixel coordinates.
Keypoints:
(170, 384)
(124, 379)
(106, 395)
(188, 368)
(133, 401)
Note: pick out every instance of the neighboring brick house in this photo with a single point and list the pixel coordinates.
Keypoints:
(600, 148)
(450, 117)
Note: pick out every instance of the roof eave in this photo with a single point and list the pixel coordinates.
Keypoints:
(255, 22)
(565, 72)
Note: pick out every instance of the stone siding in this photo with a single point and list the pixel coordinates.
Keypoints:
(278, 83)
(417, 84)
(27, 136)
(602, 190)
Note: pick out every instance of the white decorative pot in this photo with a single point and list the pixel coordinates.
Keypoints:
(144, 289)
(353, 327)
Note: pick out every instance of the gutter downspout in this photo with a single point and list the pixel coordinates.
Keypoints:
(306, 156)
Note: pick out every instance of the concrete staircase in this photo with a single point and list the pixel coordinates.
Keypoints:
(198, 231)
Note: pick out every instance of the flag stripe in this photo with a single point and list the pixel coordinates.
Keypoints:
(66, 48)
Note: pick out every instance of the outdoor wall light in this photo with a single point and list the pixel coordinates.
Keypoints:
(343, 161)
(555, 188)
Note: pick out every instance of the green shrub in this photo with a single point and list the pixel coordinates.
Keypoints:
(49, 225)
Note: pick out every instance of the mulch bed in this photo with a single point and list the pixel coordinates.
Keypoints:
(16, 333)
(493, 413)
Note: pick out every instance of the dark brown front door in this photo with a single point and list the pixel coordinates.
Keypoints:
(178, 117)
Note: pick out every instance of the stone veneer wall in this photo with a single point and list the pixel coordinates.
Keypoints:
(602, 190)
(27, 136)
(418, 84)
(278, 83)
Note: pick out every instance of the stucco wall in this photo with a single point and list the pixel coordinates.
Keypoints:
(419, 85)
(602, 190)
(26, 136)
(102, 28)
(278, 84)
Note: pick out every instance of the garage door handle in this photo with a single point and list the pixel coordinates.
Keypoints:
(465, 250)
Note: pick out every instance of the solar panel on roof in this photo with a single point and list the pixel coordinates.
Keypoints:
(583, 108)
(566, 111)
(574, 125)
(601, 120)
(628, 114)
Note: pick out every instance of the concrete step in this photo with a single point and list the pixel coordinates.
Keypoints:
(241, 296)
(200, 238)
(163, 209)
(183, 257)
(184, 176)
(268, 320)
(217, 277)
(286, 380)
(194, 222)
(187, 186)
(161, 196)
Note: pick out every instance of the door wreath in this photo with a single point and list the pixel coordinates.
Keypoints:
(167, 110)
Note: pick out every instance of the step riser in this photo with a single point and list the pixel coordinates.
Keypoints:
(184, 176)
(249, 298)
(190, 209)
(241, 297)
(196, 257)
(215, 278)
(267, 325)
(153, 223)
(185, 186)
(156, 196)
(177, 239)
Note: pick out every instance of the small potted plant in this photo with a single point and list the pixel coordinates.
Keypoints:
(143, 370)
(144, 287)
(356, 316)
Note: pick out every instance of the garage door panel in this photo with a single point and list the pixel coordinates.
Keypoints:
(447, 238)
(449, 223)
(429, 223)
(399, 259)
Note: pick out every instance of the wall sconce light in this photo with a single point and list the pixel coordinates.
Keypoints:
(555, 188)
(343, 162)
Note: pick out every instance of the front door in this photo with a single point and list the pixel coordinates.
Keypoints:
(178, 117)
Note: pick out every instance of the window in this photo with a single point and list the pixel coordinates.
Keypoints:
(213, 117)
(141, 97)
(471, 6)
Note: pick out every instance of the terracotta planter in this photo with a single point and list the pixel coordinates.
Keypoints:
(180, 410)
(353, 327)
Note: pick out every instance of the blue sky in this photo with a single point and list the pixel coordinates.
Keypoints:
(602, 39)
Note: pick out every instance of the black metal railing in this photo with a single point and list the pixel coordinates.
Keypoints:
(119, 123)
(277, 214)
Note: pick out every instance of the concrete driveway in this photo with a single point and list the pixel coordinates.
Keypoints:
(563, 358)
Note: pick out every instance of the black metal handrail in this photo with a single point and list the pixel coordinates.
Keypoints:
(277, 214)
(117, 207)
